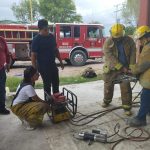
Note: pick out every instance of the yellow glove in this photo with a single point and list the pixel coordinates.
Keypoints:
(118, 66)
(106, 69)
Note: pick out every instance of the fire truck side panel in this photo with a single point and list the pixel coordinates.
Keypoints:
(64, 55)
(79, 35)
(22, 51)
(95, 54)
(64, 39)
(94, 41)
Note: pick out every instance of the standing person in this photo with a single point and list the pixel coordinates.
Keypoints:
(44, 52)
(142, 69)
(4, 66)
(120, 53)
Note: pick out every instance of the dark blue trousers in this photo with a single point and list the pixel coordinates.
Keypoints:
(50, 77)
(145, 105)
(2, 88)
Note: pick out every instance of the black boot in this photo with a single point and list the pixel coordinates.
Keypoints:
(4, 111)
(135, 122)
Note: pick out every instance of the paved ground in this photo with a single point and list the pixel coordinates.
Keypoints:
(60, 136)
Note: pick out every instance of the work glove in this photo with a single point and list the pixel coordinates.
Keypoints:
(106, 69)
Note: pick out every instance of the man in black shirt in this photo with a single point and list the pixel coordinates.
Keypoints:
(44, 52)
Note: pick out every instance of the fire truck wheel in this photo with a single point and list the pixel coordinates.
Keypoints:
(78, 58)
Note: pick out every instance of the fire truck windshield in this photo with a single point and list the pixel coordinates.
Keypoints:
(93, 32)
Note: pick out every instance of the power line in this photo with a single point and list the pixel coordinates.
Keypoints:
(118, 9)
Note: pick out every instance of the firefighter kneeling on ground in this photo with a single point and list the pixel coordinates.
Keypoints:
(142, 68)
(120, 53)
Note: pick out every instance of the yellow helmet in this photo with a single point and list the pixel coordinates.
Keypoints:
(117, 30)
(141, 31)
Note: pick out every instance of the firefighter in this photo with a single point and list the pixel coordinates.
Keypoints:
(44, 52)
(142, 69)
(120, 53)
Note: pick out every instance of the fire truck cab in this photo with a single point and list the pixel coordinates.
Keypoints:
(76, 42)
(79, 42)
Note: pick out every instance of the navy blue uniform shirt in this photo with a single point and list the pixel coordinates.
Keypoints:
(45, 48)
(121, 54)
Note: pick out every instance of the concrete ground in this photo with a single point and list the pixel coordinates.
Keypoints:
(61, 136)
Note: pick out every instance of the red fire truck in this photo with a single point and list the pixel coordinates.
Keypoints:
(77, 42)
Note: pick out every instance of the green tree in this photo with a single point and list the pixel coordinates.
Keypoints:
(22, 11)
(59, 11)
(129, 30)
(130, 11)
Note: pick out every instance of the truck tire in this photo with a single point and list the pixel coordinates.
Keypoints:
(78, 58)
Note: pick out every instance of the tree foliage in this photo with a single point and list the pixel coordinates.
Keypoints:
(130, 11)
(129, 30)
(52, 10)
(59, 11)
(22, 10)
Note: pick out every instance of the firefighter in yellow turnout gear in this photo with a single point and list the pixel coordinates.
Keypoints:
(120, 53)
(142, 69)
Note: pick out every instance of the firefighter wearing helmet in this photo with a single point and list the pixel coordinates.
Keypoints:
(142, 69)
(120, 53)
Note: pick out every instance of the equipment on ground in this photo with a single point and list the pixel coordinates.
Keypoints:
(96, 135)
(89, 73)
(63, 105)
(124, 78)
(102, 136)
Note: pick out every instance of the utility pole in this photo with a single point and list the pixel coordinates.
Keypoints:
(116, 12)
(31, 12)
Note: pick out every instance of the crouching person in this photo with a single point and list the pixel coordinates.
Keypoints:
(27, 106)
(142, 68)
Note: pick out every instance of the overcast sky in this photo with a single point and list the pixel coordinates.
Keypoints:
(91, 10)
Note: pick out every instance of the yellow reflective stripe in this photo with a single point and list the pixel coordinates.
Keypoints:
(126, 106)
(118, 66)
(131, 66)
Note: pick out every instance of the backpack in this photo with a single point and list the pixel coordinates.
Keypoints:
(89, 73)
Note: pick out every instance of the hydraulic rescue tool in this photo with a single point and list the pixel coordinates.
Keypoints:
(119, 135)
(96, 135)
(124, 78)
(63, 105)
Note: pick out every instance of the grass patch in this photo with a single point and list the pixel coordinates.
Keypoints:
(78, 79)
(13, 82)
(39, 85)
